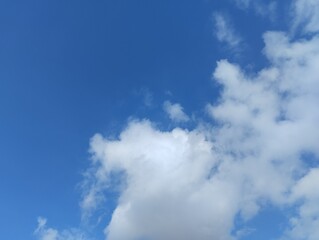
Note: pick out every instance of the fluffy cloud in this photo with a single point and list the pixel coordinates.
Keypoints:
(175, 112)
(183, 184)
(192, 184)
(269, 121)
(166, 174)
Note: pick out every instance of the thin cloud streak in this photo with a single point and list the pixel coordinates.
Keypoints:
(224, 31)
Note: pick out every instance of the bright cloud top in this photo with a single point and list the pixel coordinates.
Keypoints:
(192, 184)
(165, 176)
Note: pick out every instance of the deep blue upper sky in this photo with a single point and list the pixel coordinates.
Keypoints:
(69, 69)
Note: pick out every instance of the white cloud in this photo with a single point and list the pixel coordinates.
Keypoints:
(272, 119)
(168, 192)
(45, 233)
(193, 184)
(184, 184)
(305, 224)
(224, 31)
(175, 112)
(306, 15)
(262, 8)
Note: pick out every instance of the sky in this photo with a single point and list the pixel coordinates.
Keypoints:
(153, 120)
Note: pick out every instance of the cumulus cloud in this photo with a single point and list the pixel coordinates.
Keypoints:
(225, 32)
(192, 184)
(185, 184)
(175, 112)
(168, 190)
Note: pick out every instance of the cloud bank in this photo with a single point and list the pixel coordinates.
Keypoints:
(186, 184)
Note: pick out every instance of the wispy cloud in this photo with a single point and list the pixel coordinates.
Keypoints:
(46, 233)
(263, 8)
(146, 95)
(306, 15)
(225, 32)
(175, 112)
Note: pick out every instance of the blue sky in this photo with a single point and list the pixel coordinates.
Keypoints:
(149, 78)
